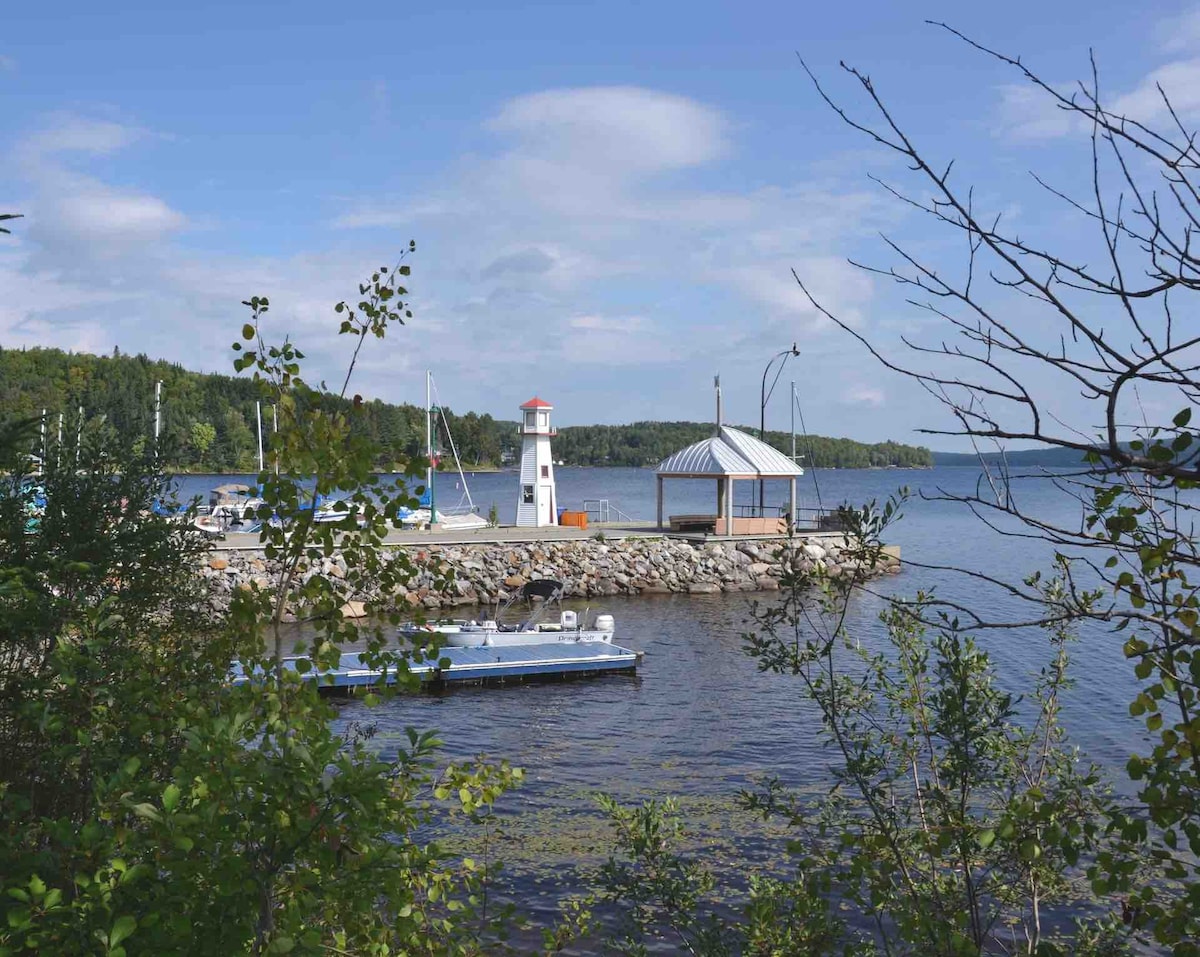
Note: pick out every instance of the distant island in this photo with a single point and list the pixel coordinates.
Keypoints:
(1045, 458)
(208, 420)
(648, 443)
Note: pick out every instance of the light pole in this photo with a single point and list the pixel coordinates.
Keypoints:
(765, 395)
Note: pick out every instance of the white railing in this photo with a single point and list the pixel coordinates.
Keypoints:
(601, 510)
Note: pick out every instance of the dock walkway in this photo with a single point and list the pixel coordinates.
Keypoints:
(485, 665)
(514, 535)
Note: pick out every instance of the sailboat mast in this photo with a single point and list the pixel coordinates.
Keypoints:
(258, 419)
(429, 444)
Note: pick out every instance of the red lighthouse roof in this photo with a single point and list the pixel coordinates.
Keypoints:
(536, 403)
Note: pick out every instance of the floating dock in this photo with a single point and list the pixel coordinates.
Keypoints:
(483, 665)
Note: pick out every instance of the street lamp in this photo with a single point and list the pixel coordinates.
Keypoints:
(765, 396)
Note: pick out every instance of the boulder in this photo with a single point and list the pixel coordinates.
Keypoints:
(354, 609)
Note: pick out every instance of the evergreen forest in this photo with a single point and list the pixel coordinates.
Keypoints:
(648, 443)
(208, 420)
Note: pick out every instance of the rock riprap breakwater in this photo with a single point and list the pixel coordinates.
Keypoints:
(485, 573)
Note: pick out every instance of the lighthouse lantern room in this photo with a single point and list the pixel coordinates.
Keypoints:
(536, 500)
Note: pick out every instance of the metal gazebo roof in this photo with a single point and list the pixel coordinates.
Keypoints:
(729, 453)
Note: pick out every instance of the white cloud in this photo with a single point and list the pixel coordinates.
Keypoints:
(1180, 82)
(583, 238)
(613, 130)
(528, 261)
(833, 282)
(70, 133)
(73, 217)
(82, 215)
(617, 341)
(578, 248)
(1029, 113)
(608, 323)
(870, 396)
(1180, 34)
(372, 216)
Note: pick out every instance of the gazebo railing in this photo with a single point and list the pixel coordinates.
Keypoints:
(818, 519)
(808, 517)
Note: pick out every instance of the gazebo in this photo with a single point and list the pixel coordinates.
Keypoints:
(728, 456)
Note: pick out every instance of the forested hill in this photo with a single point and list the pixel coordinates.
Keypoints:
(208, 420)
(648, 443)
(1044, 458)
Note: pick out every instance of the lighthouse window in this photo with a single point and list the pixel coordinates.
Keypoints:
(545, 471)
(543, 419)
(530, 420)
(527, 494)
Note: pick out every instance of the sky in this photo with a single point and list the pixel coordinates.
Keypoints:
(608, 199)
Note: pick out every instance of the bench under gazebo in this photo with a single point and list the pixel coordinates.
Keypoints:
(729, 456)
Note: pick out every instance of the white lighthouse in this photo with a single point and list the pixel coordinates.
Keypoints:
(535, 502)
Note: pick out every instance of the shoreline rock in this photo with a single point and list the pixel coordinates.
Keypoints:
(485, 573)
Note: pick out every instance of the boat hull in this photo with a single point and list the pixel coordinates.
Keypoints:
(466, 635)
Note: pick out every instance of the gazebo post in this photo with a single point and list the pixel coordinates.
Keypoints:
(660, 501)
(792, 501)
(729, 506)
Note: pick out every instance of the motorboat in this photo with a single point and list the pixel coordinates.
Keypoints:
(231, 508)
(539, 628)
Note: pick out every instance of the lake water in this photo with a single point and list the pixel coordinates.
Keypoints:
(699, 721)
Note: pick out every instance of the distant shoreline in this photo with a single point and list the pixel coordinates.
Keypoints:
(648, 468)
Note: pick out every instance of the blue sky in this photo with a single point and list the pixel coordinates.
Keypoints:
(607, 199)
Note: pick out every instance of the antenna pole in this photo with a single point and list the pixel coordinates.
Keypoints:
(717, 386)
(793, 422)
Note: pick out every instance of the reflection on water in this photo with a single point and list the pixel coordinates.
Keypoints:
(699, 720)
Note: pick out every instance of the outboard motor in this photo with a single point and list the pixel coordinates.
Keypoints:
(605, 623)
(569, 620)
